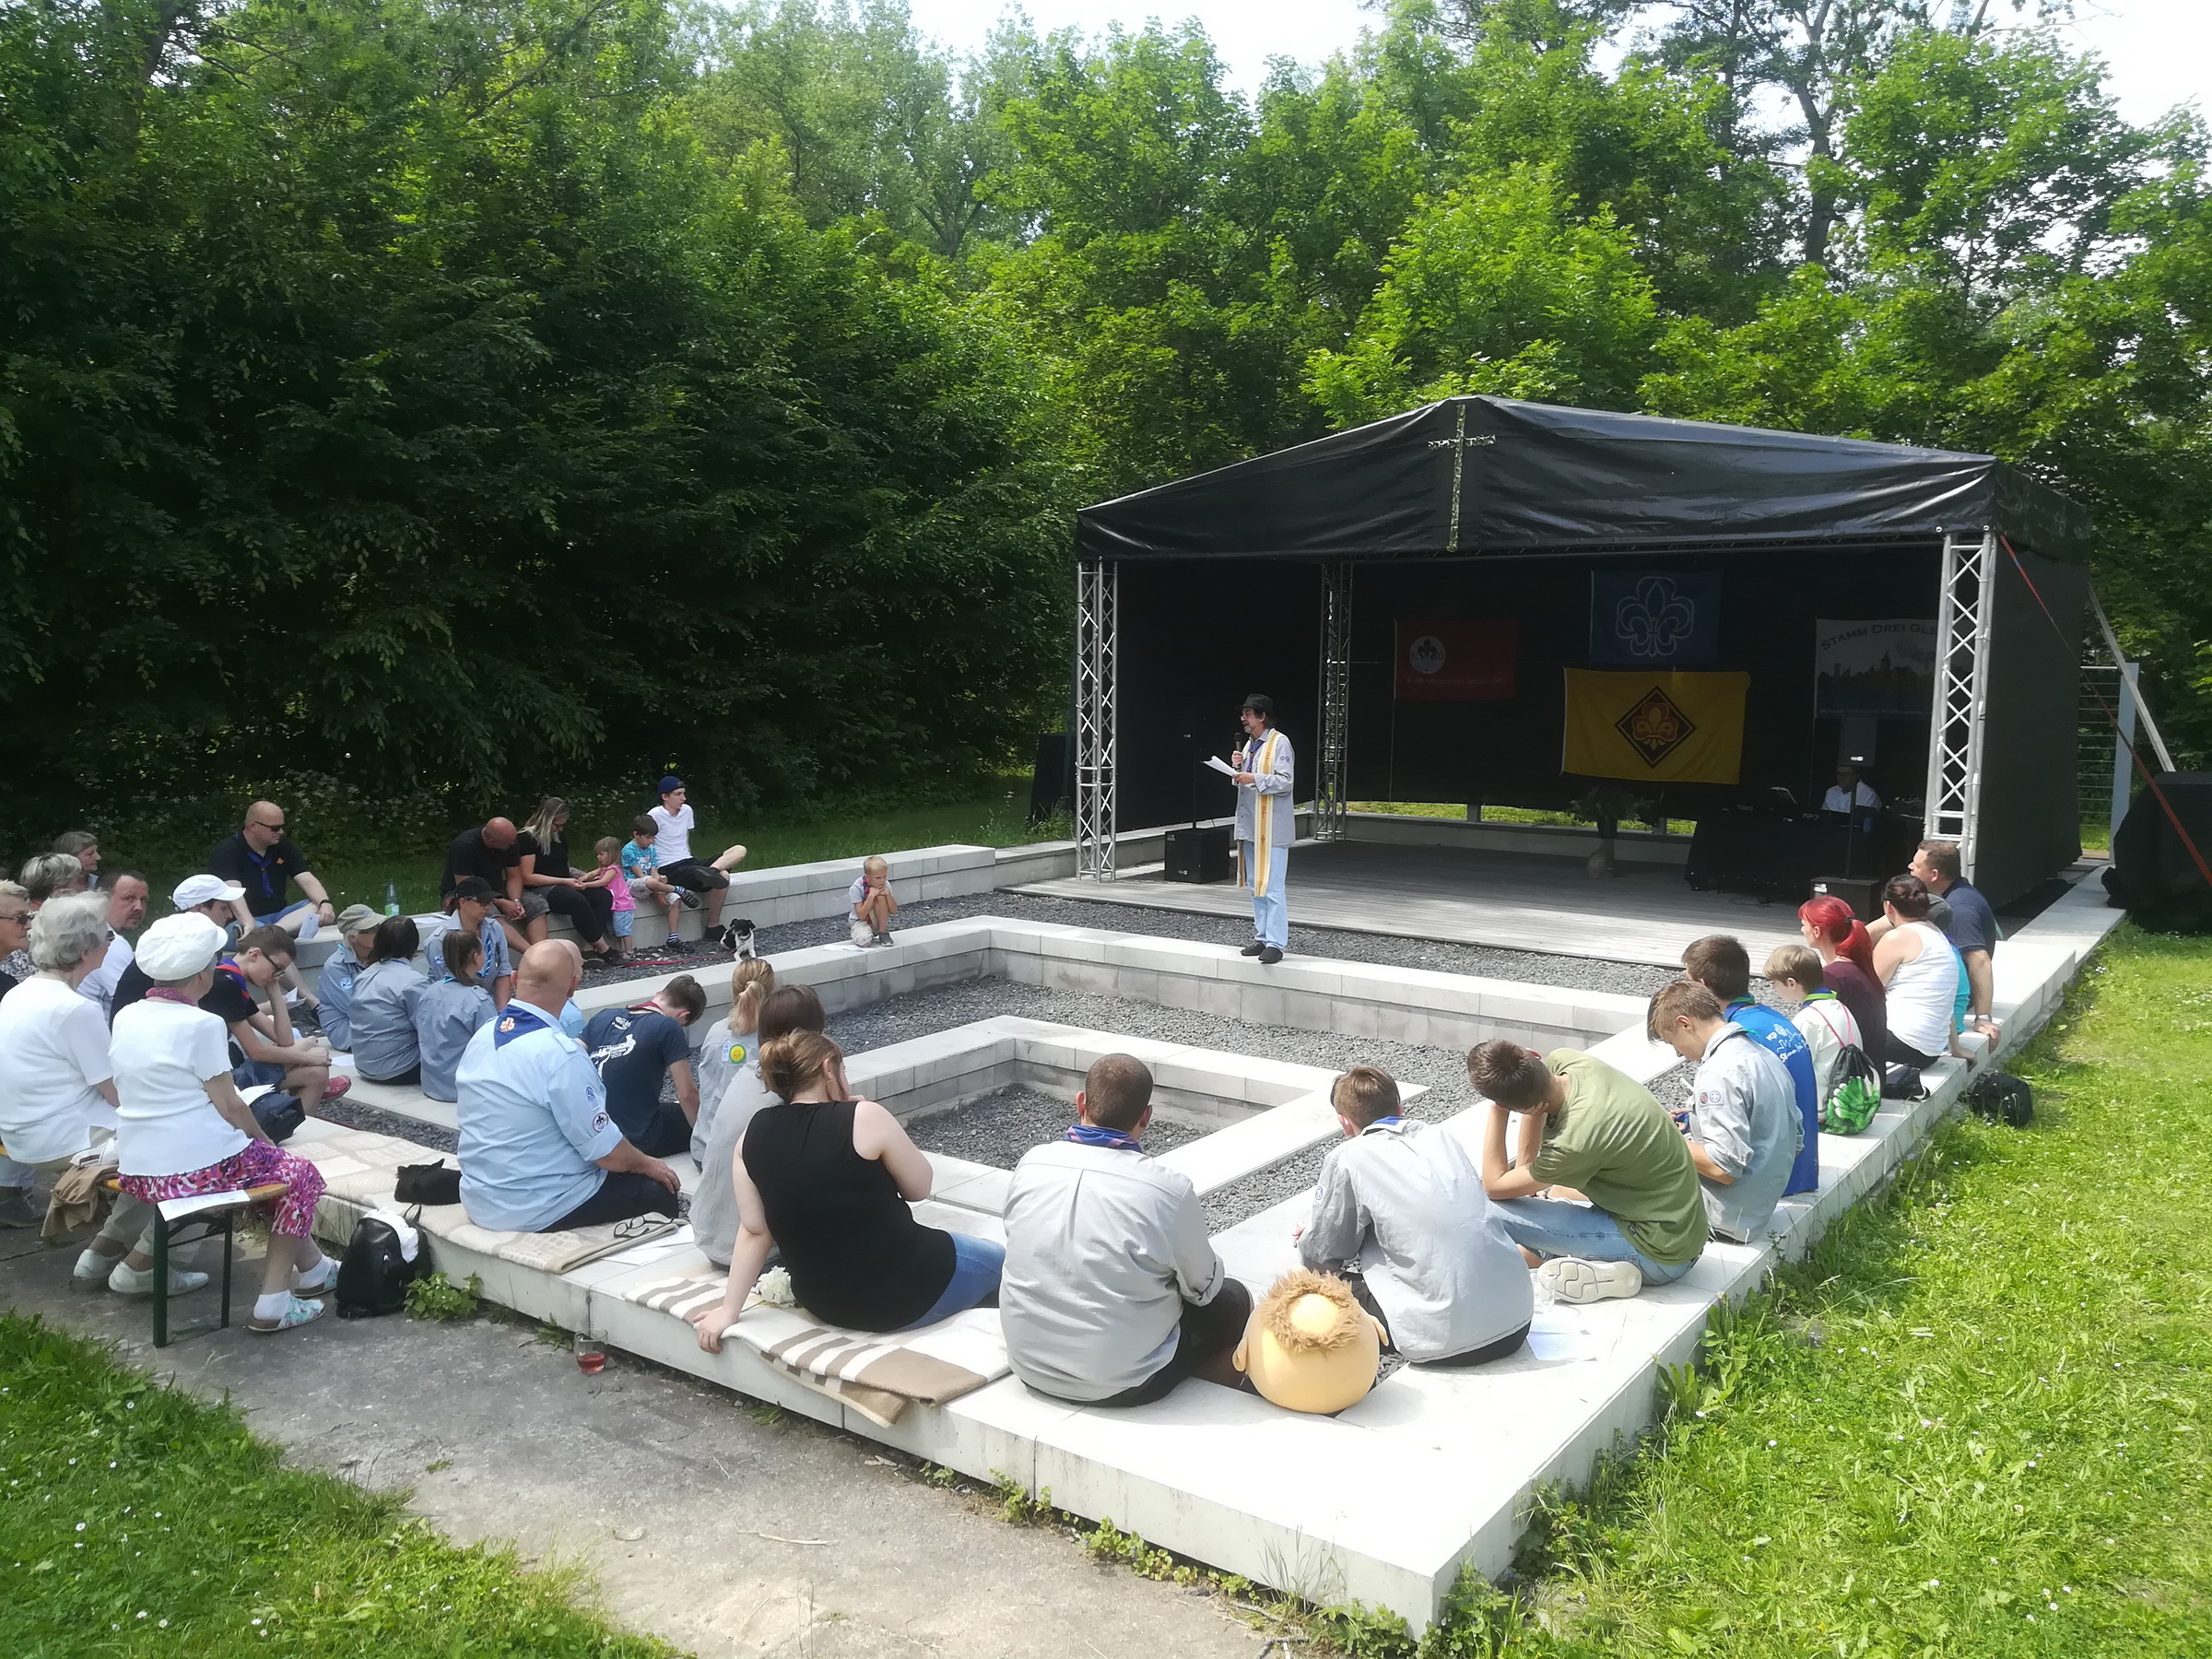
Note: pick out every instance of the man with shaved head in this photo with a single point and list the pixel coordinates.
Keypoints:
(488, 852)
(263, 862)
(538, 1151)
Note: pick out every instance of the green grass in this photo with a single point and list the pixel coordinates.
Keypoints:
(137, 1520)
(1974, 1421)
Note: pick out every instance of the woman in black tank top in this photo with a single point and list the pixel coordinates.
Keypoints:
(831, 1180)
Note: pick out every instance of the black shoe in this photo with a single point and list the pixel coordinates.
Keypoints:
(1270, 957)
(1253, 949)
(689, 899)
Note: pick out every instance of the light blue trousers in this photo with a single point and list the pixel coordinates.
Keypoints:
(1271, 912)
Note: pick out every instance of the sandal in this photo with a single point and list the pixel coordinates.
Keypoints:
(322, 1278)
(296, 1313)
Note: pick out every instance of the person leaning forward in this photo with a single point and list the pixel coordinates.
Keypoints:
(538, 1151)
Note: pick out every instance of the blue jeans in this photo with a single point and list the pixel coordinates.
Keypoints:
(976, 1265)
(252, 1073)
(278, 915)
(1551, 1227)
(1271, 912)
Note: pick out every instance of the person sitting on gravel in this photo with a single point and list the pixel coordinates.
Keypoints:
(832, 1181)
(452, 1010)
(1723, 966)
(873, 904)
(1743, 1125)
(184, 1131)
(264, 1047)
(1112, 1293)
(732, 1045)
(1589, 1130)
(474, 911)
(357, 937)
(386, 996)
(57, 1089)
(636, 1049)
(538, 1151)
(1401, 1213)
(715, 1218)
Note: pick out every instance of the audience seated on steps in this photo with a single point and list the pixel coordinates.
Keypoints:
(84, 846)
(208, 896)
(184, 1131)
(15, 969)
(452, 1010)
(714, 1215)
(637, 1047)
(1742, 1125)
(830, 1180)
(1846, 953)
(731, 1045)
(488, 852)
(549, 885)
(264, 1047)
(1587, 1131)
(1801, 985)
(356, 937)
(386, 996)
(874, 903)
(1958, 911)
(1924, 984)
(641, 872)
(674, 820)
(473, 905)
(623, 917)
(1400, 1213)
(126, 893)
(1112, 1293)
(57, 1089)
(538, 1152)
(1723, 966)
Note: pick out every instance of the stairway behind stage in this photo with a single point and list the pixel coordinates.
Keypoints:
(1516, 901)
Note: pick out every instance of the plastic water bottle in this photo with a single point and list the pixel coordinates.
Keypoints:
(391, 898)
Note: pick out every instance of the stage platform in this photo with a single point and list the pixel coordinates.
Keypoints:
(1518, 901)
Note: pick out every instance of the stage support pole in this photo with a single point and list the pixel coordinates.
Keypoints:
(1965, 608)
(1336, 700)
(1097, 626)
(2123, 771)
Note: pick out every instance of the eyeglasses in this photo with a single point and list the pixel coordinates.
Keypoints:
(264, 824)
(21, 915)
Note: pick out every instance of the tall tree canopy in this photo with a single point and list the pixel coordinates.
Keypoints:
(548, 389)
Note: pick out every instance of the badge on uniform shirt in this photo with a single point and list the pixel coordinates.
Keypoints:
(507, 1026)
(736, 1054)
(598, 1122)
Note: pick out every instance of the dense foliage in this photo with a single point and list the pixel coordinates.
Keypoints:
(533, 393)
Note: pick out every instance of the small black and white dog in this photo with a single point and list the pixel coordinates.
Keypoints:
(737, 937)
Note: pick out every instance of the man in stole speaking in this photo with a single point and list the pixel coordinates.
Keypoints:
(1266, 827)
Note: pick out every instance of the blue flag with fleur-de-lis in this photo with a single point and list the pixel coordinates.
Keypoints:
(1654, 618)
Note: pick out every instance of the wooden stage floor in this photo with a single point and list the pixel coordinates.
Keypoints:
(1516, 901)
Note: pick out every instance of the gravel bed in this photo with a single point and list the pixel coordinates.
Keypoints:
(354, 1114)
(1629, 979)
(999, 1127)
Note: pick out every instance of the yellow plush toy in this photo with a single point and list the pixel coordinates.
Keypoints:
(1310, 1345)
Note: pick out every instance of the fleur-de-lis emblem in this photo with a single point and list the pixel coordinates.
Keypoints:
(1426, 655)
(1655, 727)
(1655, 620)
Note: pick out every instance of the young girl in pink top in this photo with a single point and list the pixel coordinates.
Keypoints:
(610, 875)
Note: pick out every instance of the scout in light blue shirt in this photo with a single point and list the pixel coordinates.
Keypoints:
(385, 996)
(448, 1015)
(1743, 1127)
(533, 1121)
(334, 988)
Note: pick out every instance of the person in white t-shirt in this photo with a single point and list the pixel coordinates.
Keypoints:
(675, 820)
(126, 894)
(57, 1089)
(1851, 792)
(184, 1130)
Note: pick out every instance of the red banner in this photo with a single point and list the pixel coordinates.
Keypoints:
(1455, 661)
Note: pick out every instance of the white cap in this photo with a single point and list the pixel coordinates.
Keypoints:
(199, 889)
(177, 947)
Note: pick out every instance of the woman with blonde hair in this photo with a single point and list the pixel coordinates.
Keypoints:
(549, 884)
(732, 1046)
(831, 1180)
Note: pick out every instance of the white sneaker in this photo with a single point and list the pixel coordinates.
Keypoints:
(92, 1267)
(127, 1280)
(1572, 1279)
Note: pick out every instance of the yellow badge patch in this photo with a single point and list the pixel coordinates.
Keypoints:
(736, 1054)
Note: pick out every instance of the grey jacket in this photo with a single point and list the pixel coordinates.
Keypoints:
(1743, 1109)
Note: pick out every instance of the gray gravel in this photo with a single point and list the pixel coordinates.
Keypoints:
(998, 1128)
(354, 1114)
(1579, 973)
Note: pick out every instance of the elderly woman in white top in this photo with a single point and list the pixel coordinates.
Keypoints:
(57, 1090)
(185, 1132)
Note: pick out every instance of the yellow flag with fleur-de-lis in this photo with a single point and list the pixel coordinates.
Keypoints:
(1655, 727)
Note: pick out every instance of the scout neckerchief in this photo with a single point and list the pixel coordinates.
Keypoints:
(518, 1020)
(1091, 1135)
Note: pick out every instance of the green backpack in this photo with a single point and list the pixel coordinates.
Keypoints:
(1856, 1096)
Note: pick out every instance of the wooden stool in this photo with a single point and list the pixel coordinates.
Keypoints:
(219, 1212)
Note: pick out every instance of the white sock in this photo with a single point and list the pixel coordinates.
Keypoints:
(273, 1305)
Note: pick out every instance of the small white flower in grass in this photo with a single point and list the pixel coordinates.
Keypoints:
(141, 1612)
(80, 1526)
(1934, 1584)
(1773, 1442)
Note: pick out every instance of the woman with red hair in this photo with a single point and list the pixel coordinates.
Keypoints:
(1847, 967)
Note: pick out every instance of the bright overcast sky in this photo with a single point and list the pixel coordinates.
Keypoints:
(2157, 49)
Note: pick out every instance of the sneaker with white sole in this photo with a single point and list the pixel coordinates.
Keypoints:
(1572, 1279)
(92, 1268)
(127, 1280)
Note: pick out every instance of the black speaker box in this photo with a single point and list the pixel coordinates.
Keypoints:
(1863, 893)
(1200, 854)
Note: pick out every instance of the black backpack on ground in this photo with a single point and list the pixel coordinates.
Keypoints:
(279, 1114)
(2002, 1097)
(374, 1276)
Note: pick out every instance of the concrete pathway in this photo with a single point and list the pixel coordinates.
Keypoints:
(676, 1501)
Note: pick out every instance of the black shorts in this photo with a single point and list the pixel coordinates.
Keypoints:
(1208, 1330)
(695, 875)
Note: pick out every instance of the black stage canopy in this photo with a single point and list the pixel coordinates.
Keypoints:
(1476, 474)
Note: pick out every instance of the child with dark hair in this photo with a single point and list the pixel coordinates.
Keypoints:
(1400, 1207)
(642, 870)
(1723, 966)
(451, 1011)
(1591, 1130)
(386, 996)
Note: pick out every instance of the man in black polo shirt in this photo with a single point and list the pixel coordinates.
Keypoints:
(267, 866)
(488, 852)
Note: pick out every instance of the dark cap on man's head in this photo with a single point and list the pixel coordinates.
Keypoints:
(671, 783)
(1259, 702)
(476, 889)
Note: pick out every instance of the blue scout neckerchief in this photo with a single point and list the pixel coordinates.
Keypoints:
(518, 1020)
(1091, 1135)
